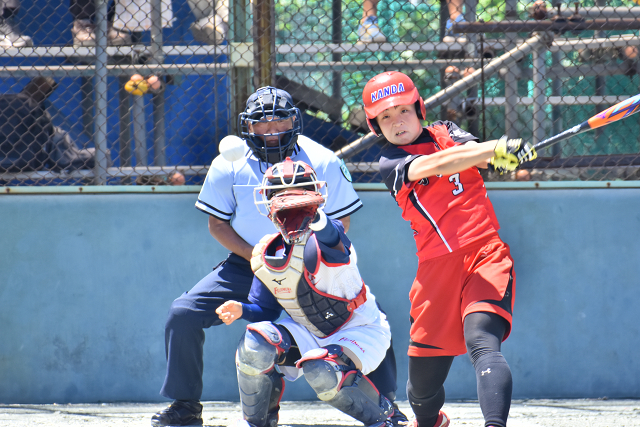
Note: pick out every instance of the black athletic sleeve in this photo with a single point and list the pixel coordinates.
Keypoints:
(394, 164)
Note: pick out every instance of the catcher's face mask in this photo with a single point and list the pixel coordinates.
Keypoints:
(290, 196)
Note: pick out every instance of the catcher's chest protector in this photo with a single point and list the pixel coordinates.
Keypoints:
(292, 285)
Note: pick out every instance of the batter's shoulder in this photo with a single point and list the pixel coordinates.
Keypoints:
(456, 133)
(390, 151)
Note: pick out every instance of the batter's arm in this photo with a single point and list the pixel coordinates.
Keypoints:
(227, 237)
(452, 160)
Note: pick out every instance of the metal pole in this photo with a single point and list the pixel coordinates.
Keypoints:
(139, 131)
(556, 115)
(100, 93)
(444, 17)
(600, 89)
(555, 26)
(264, 43)
(159, 141)
(240, 77)
(539, 93)
(358, 145)
(157, 57)
(156, 32)
(139, 122)
(125, 123)
(511, 77)
(336, 37)
(470, 16)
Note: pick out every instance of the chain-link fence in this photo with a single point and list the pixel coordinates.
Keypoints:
(140, 92)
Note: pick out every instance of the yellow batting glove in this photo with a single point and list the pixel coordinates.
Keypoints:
(522, 151)
(502, 164)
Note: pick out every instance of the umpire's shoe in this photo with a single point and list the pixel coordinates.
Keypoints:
(398, 418)
(179, 413)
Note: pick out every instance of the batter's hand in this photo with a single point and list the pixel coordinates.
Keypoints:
(510, 153)
(229, 312)
(507, 148)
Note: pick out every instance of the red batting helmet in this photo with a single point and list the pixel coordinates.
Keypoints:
(386, 90)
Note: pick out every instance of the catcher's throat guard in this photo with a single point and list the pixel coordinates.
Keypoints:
(290, 195)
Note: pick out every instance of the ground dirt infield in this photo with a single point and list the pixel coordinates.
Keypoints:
(524, 413)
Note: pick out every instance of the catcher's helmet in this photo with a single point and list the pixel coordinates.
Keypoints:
(387, 90)
(290, 195)
(269, 104)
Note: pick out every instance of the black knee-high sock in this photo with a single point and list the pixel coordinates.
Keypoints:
(493, 376)
(483, 335)
(425, 387)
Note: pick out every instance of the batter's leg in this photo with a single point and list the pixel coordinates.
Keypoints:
(483, 334)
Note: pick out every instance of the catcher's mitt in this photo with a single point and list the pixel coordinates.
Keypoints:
(292, 211)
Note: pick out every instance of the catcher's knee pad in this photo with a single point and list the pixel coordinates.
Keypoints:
(335, 379)
(260, 397)
(261, 386)
(262, 346)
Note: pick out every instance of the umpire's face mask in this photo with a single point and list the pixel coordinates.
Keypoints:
(271, 129)
(273, 137)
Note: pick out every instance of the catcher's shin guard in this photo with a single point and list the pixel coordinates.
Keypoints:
(335, 379)
(261, 386)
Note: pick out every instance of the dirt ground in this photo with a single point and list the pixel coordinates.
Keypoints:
(524, 413)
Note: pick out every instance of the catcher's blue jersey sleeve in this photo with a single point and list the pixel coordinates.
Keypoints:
(255, 313)
(261, 296)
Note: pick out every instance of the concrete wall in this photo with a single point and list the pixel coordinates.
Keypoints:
(86, 281)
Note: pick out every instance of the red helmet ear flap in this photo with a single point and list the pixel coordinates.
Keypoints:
(421, 110)
(373, 125)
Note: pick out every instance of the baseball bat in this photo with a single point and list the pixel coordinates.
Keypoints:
(612, 114)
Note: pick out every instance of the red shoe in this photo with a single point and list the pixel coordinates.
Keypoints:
(442, 421)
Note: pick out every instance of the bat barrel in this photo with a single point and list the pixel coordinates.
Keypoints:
(619, 111)
(612, 114)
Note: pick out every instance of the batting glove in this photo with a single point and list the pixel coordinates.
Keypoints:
(523, 151)
(510, 153)
(502, 165)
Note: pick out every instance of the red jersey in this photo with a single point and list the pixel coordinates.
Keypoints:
(446, 212)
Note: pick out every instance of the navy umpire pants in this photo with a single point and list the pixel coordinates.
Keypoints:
(195, 311)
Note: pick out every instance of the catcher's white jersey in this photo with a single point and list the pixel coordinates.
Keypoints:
(367, 333)
(227, 192)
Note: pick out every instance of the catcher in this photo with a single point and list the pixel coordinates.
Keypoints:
(334, 334)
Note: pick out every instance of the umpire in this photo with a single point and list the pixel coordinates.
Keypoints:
(271, 126)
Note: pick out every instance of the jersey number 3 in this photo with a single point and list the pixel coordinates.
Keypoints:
(455, 179)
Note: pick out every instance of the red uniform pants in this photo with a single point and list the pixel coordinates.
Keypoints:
(478, 277)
